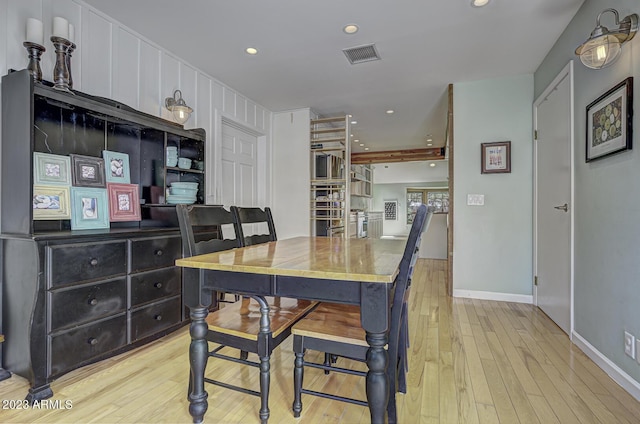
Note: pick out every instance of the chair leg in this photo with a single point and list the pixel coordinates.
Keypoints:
(244, 355)
(298, 376)
(327, 362)
(265, 381)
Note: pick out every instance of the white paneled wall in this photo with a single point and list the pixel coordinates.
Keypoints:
(115, 62)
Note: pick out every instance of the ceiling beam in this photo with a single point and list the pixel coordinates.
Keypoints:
(407, 155)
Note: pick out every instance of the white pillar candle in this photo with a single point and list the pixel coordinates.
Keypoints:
(35, 33)
(60, 27)
(72, 33)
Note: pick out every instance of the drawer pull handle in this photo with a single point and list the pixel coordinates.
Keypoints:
(158, 317)
(158, 285)
(93, 301)
(93, 341)
(159, 252)
(93, 262)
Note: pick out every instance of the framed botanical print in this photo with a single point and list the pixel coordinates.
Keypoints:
(51, 202)
(87, 171)
(124, 202)
(51, 169)
(609, 121)
(116, 167)
(89, 208)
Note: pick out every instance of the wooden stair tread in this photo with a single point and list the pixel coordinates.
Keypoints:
(242, 318)
(333, 321)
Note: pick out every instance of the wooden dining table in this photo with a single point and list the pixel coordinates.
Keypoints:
(357, 271)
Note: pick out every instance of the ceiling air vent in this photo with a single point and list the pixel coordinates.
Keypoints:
(362, 54)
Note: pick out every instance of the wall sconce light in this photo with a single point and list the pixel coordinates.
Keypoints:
(177, 106)
(603, 46)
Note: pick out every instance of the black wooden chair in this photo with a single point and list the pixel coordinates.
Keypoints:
(256, 324)
(259, 219)
(336, 330)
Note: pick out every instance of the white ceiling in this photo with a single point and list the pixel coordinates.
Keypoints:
(424, 46)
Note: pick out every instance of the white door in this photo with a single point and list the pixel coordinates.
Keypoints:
(239, 167)
(553, 121)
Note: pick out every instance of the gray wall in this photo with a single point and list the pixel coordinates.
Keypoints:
(607, 205)
(493, 243)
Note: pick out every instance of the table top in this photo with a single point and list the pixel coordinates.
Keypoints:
(353, 259)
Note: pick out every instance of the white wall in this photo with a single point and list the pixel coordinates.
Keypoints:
(493, 243)
(291, 173)
(115, 62)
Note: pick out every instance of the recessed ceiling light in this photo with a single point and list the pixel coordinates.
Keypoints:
(350, 29)
(366, 148)
(354, 122)
(390, 111)
(433, 165)
(361, 144)
(356, 140)
(429, 144)
(251, 50)
(479, 3)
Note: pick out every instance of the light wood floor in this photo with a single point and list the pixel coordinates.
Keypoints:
(471, 362)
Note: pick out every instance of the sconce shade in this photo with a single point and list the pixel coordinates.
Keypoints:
(603, 46)
(181, 112)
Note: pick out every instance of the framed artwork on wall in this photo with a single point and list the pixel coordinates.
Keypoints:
(390, 210)
(89, 208)
(496, 157)
(124, 202)
(116, 167)
(609, 122)
(87, 171)
(51, 169)
(51, 202)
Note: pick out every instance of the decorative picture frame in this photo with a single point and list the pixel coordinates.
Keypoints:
(51, 202)
(124, 202)
(87, 171)
(609, 122)
(116, 166)
(51, 169)
(496, 157)
(390, 210)
(89, 207)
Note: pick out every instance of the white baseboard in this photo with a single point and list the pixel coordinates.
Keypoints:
(501, 297)
(616, 373)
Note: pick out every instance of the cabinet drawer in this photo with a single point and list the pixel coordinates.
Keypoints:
(88, 303)
(154, 318)
(70, 349)
(153, 285)
(86, 261)
(156, 252)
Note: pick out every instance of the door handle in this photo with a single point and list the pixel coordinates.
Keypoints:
(564, 207)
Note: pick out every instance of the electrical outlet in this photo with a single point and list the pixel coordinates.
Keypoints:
(475, 199)
(629, 345)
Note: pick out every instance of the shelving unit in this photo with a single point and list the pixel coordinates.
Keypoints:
(330, 156)
(361, 180)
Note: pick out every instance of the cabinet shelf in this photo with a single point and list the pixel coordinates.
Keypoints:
(190, 171)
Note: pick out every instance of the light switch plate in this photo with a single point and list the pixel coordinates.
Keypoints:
(475, 199)
(629, 345)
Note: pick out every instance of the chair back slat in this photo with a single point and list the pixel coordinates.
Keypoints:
(421, 220)
(201, 229)
(253, 215)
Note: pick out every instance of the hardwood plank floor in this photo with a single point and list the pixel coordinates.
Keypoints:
(470, 361)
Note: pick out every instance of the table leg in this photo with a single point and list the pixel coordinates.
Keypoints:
(377, 383)
(198, 355)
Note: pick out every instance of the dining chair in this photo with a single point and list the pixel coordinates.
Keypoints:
(335, 329)
(259, 219)
(254, 325)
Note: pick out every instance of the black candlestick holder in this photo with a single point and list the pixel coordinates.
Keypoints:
(61, 69)
(35, 52)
